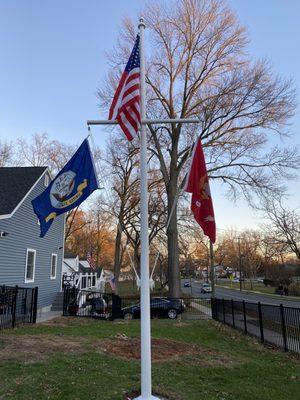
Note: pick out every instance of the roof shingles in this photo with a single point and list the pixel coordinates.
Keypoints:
(15, 183)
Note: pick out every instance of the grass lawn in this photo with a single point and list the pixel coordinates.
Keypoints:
(256, 286)
(129, 288)
(83, 359)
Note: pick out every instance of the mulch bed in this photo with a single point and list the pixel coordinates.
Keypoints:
(164, 350)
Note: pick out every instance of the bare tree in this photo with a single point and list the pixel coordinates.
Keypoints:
(124, 203)
(6, 154)
(271, 251)
(284, 227)
(42, 151)
(198, 67)
(123, 162)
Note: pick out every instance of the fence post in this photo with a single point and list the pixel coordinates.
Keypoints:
(260, 323)
(245, 317)
(14, 307)
(35, 300)
(213, 308)
(283, 325)
(25, 303)
(31, 304)
(65, 300)
(223, 304)
(232, 311)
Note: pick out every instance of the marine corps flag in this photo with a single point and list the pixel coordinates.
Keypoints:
(198, 185)
(71, 186)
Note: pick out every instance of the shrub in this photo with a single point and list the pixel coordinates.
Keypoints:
(294, 289)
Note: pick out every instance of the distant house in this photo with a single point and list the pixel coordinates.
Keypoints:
(26, 259)
(77, 272)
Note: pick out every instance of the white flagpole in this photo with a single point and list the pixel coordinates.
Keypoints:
(146, 384)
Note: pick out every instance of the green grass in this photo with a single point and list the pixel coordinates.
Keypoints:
(129, 288)
(256, 286)
(247, 370)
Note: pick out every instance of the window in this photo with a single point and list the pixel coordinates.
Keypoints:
(53, 266)
(94, 280)
(83, 282)
(30, 265)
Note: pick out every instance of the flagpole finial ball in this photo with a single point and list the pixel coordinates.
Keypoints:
(142, 23)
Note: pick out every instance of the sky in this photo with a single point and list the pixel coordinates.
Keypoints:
(53, 60)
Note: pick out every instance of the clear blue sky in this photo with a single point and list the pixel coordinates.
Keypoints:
(53, 60)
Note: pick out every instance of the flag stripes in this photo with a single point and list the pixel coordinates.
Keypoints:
(125, 107)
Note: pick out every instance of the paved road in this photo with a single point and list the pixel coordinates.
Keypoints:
(195, 290)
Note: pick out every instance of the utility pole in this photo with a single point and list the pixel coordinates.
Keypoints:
(240, 262)
(212, 268)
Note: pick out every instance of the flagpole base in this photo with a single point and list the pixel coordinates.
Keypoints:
(148, 398)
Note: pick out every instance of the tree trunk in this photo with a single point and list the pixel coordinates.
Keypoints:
(117, 261)
(136, 258)
(173, 253)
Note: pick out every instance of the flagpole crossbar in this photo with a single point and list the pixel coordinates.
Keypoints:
(148, 121)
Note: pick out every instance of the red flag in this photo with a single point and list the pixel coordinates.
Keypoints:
(198, 185)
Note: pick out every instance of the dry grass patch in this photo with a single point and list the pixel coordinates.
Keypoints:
(32, 349)
(165, 350)
(62, 322)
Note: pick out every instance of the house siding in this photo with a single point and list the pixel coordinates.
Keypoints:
(23, 232)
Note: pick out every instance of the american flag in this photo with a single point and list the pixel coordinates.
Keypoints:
(113, 284)
(90, 260)
(125, 107)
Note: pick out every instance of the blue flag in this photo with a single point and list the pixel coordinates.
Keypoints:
(71, 186)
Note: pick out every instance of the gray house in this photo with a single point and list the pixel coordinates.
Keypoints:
(26, 259)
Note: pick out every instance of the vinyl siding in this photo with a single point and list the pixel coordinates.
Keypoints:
(23, 232)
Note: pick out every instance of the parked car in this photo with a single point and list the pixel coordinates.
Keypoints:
(160, 307)
(187, 284)
(206, 288)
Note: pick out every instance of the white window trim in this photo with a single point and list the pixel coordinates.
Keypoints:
(30, 280)
(53, 277)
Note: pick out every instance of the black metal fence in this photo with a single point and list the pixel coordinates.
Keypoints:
(17, 306)
(87, 303)
(275, 325)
